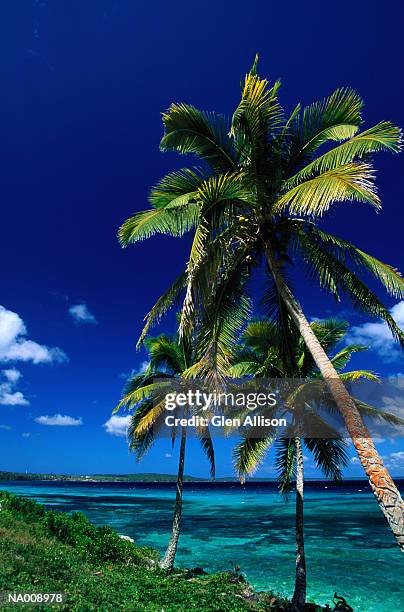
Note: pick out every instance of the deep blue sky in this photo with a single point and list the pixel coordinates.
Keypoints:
(83, 86)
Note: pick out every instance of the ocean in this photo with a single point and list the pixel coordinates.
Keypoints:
(349, 548)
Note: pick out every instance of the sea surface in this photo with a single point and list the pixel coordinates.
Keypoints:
(348, 545)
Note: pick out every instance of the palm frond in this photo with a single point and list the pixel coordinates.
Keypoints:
(177, 188)
(285, 463)
(330, 332)
(330, 455)
(243, 353)
(258, 112)
(358, 375)
(136, 381)
(367, 410)
(196, 370)
(261, 335)
(214, 195)
(216, 342)
(334, 275)
(207, 446)
(244, 362)
(197, 256)
(390, 278)
(387, 275)
(189, 130)
(382, 137)
(136, 396)
(143, 379)
(254, 67)
(224, 317)
(293, 115)
(175, 221)
(162, 306)
(249, 454)
(334, 118)
(150, 418)
(343, 357)
(165, 353)
(276, 311)
(244, 368)
(350, 182)
(139, 444)
(224, 188)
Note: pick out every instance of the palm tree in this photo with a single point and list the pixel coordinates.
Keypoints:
(168, 359)
(260, 356)
(265, 182)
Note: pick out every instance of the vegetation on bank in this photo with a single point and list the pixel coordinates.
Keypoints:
(50, 551)
(145, 477)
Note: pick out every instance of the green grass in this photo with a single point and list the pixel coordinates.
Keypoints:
(51, 552)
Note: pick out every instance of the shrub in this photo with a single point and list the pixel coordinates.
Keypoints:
(95, 544)
(29, 510)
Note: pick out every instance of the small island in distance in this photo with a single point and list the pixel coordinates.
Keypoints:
(144, 477)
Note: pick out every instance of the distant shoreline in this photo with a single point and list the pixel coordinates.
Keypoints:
(151, 478)
(100, 478)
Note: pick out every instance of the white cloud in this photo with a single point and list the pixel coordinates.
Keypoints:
(355, 460)
(117, 425)
(12, 399)
(395, 460)
(12, 375)
(168, 455)
(8, 395)
(6, 427)
(134, 372)
(27, 350)
(14, 345)
(397, 380)
(394, 404)
(378, 335)
(391, 400)
(59, 419)
(81, 314)
(26, 434)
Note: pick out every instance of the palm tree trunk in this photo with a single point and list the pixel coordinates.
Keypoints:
(382, 485)
(299, 595)
(167, 562)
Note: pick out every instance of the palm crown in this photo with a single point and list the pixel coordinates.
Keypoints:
(259, 356)
(144, 393)
(265, 181)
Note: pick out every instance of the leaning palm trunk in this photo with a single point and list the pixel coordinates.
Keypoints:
(382, 485)
(167, 562)
(299, 595)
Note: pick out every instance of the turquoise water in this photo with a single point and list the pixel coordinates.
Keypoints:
(349, 548)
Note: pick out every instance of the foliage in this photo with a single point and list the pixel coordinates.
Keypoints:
(52, 552)
(138, 477)
(260, 355)
(21, 507)
(264, 181)
(97, 544)
(169, 358)
(35, 556)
